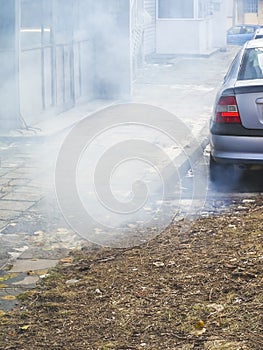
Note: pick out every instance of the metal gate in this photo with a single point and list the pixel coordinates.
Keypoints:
(55, 62)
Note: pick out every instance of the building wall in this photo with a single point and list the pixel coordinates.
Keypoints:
(230, 13)
(260, 12)
(9, 66)
(248, 17)
(46, 62)
(181, 36)
(219, 25)
(251, 18)
(200, 33)
(55, 54)
(150, 27)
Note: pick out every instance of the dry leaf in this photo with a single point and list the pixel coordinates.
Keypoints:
(8, 297)
(216, 307)
(37, 272)
(199, 331)
(72, 282)
(199, 328)
(199, 325)
(158, 264)
(2, 313)
(66, 260)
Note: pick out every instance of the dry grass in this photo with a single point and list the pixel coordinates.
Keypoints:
(197, 288)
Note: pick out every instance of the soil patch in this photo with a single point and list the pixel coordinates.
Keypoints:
(196, 286)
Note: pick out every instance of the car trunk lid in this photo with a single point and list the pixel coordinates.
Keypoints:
(249, 97)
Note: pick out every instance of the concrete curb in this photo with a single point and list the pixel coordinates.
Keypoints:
(185, 162)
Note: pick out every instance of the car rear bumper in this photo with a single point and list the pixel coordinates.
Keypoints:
(237, 149)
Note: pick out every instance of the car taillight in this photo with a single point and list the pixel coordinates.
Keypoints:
(226, 110)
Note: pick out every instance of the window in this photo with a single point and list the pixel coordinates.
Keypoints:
(36, 21)
(250, 6)
(234, 30)
(203, 8)
(7, 25)
(252, 65)
(176, 8)
(250, 30)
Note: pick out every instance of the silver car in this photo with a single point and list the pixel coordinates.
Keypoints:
(258, 34)
(236, 127)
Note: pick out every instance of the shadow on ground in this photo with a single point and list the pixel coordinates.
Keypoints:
(240, 181)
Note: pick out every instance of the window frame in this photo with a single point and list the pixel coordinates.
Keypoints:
(194, 17)
(251, 6)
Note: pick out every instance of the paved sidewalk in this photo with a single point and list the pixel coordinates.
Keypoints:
(185, 86)
(33, 233)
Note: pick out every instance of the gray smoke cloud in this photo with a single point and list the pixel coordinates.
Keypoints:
(115, 173)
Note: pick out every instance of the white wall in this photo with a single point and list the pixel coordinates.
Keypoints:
(230, 13)
(183, 36)
(189, 36)
(150, 27)
(220, 25)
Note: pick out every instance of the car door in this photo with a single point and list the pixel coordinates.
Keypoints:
(238, 35)
(250, 32)
(233, 35)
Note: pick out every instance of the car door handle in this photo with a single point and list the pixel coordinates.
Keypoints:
(259, 100)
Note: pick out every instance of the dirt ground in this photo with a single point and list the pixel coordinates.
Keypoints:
(196, 286)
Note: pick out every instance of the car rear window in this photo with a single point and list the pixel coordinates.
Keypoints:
(251, 65)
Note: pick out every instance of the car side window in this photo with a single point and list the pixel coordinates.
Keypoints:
(250, 30)
(234, 30)
(232, 71)
(243, 30)
(260, 59)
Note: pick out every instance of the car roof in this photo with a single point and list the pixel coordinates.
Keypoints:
(248, 25)
(254, 43)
